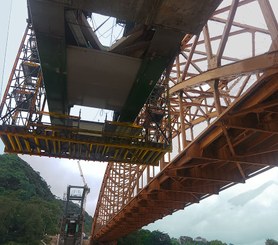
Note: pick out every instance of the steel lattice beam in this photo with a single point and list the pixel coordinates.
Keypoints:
(214, 96)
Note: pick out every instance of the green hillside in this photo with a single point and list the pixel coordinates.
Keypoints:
(28, 208)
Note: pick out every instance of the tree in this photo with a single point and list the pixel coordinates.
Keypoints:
(271, 242)
(174, 241)
(216, 242)
(160, 238)
(145, 237)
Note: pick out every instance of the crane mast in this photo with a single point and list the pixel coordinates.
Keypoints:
(72, 227)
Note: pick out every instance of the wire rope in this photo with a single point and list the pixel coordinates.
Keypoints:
(6, 47)
(112, 31)
(120, 33)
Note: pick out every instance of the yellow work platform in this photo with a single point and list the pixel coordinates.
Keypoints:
(117, 142)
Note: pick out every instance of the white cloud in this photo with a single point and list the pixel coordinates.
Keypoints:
(59, 173)
(217, 218)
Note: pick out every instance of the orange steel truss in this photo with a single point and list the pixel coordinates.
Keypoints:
(223, 89)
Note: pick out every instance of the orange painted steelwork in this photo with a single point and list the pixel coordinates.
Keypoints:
(223, 103)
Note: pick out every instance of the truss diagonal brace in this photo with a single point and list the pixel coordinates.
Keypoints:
(247, 66)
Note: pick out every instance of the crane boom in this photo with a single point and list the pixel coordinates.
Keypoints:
(81, 173)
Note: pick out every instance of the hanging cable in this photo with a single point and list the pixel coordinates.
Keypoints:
(101, 24)
(112, 31)
(120, 33)
(6, 47)
(102, 35)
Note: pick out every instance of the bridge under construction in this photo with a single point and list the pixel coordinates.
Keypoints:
(193, 86)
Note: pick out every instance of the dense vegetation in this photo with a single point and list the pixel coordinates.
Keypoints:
(147, 237)
(271, 242)
(28, 208)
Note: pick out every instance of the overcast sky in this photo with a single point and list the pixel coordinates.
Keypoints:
(244, 214)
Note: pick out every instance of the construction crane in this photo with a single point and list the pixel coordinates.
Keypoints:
(86, 187)
(81, 174)
(72, 227)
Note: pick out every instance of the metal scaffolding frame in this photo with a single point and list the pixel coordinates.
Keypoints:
(27, 127)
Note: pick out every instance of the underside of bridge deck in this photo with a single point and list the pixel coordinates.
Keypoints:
(78, 70)
(61, 63)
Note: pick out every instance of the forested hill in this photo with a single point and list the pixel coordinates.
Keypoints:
(28, 208)
(18, 179)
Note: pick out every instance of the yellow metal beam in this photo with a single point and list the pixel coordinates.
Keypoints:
(18, 143)
(37, 144)
(10, 137)
(27, 145)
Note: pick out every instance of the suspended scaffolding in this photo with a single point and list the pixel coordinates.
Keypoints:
(27, 127)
